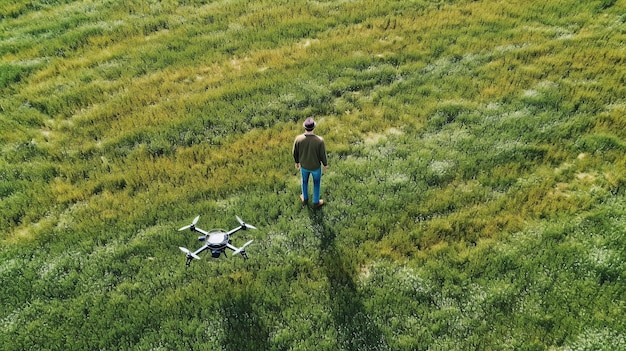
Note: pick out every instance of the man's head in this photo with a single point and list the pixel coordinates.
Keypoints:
(309, 124)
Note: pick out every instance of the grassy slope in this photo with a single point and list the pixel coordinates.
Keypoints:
(476, 189)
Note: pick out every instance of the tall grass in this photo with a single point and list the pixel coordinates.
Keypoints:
(475, 192)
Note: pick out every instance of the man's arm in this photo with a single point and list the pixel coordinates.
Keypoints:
(323, 157)
(296, 154)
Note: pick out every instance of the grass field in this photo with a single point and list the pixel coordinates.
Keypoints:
(475, 196)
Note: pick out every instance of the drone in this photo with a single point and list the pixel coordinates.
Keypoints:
(216, 240)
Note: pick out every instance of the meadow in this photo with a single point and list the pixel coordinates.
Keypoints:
(476, 195)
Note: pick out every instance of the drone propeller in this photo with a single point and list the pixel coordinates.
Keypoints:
(191, 226)
(242, 249)
(189, 253)
(245, 225)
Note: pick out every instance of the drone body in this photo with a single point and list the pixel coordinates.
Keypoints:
(216, 240)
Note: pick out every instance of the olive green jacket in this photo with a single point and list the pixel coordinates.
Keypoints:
(309, 151)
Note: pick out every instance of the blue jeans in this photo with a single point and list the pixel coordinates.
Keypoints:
(317, 183)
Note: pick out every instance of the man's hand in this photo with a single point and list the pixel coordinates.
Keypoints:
(326, 167)
(297, 166)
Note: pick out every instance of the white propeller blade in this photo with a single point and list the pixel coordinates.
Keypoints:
(193, 224)
(189, 253)
(244, 224)
(243, 248)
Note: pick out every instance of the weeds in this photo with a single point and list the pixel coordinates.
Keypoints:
(475, 193)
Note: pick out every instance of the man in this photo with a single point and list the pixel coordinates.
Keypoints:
(309, 153)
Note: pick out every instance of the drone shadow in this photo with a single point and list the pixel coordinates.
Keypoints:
(356, 331)
(243, 329)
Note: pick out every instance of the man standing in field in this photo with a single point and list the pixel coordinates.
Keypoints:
(309, 153)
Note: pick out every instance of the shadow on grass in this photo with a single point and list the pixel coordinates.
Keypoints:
(243, 329)
(355, 329)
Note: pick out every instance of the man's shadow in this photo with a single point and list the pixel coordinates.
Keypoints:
(355, 329)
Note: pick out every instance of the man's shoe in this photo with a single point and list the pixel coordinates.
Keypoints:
(319, 204)
(302, 200)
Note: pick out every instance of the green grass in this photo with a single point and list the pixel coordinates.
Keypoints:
(475, 197)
